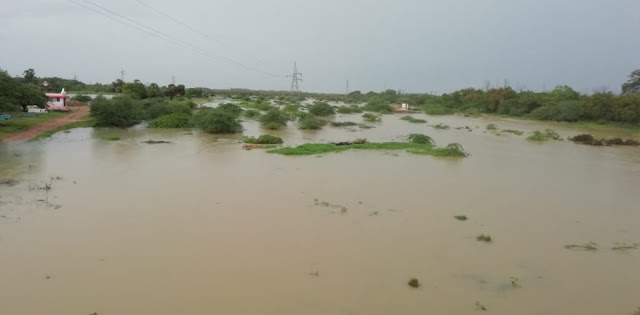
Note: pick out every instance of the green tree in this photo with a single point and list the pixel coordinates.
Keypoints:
(598, 106)
(136, 89)
(29, 75)
(632, 83)
(321, 109)
(14, 94)
(153, 90)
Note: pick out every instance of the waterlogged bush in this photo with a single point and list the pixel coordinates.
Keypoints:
(420, 138)
(274, 119)
(231, 109)
(437, 110)
(81, 98)
(562, 111)
(371, 117)
(121, 111)
(156, 107)
(546, 135)
(251, 113)
(452, 149)
(175, 120)
(263, 139)
(378, 105)
(343, 123)
(310, 122)
(349, 110)
(217, 121)
(291, 108)
(492, 127)
(321, 109)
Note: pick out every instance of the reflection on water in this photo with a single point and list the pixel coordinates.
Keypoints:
(200, 226)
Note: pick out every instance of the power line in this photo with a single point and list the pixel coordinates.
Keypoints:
(159, 34)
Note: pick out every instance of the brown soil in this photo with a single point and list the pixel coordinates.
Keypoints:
(76, 114)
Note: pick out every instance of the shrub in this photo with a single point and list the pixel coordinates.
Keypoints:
(156, 107)
(343, 123)
(230, 108)
(251, 113)
(263, 139)
(321, 109)
(414, 120)
(492, 127)
(291, 108)
(378, 105)
(562, 111)
(310, 122)
(217, 121)
(175, 120)
(274, 119)
(371, 117)
(81, 98)
(119, 111)
(437, 110)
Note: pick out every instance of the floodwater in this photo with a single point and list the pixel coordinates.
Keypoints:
(200, 226)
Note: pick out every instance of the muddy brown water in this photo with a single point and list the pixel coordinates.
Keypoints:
(200, 226)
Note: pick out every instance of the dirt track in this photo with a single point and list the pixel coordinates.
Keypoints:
(77, 113)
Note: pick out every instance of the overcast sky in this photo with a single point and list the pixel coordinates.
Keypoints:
(414, 45)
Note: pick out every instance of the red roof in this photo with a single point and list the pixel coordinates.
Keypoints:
(57, 95)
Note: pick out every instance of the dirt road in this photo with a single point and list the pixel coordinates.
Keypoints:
(77, 113)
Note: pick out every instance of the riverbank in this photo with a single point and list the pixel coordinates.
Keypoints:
(25, 129)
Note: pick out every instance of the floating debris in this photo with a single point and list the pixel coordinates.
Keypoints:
(625, 246)
(515, 282)
(480, 307)
(484, 238)
(590, 246)
(9, 182)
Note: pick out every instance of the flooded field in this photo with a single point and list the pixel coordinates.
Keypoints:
(201, 226)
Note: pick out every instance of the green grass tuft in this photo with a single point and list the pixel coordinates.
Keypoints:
(414, 120)
(546, 135)
(484, 238)
(263, 139)
(111, 138)
(590, 246)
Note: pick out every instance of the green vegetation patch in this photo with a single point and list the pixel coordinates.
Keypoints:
(18, 123)
(461, 217)
(492, 127)
(217, 121)
(625, 246)
(175, 120)
(484, 238)
(274, 119)
(545, 135)
(440, 126)
(263, 139)
(308, 121)
(349, 109)
(414, 283)
(321, 109)
(515, 132)
(414, 120)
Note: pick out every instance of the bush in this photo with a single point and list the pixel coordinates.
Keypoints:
(175, 120)
(548, 134)
(310, 122)
(263, 139)
(371, 117)
(437, 110)
(119, 111)
(251, 113)
(562, 111)
(378, 105)
(217, 121)
(156, 107)
(321, 109)
(81, 98)
(274, 119)
(230, 108)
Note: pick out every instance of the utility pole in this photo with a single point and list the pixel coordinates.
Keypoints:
(296, 77)
(122, 74)
(173, 79)
(347, 87)
(75, 77)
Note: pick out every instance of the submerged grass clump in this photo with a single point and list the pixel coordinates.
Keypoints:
(625, 246)
(545, 135)
(461, 217)
(414, 283)
(371, 117)
(515, 132)
(414, 120)
(111, 138)
(492, 127)
(440, 126)
(420, 138)
(590, 140)
(590, 246)
(343, 123)
(484, 238)
(452, 150)
(263, 139)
